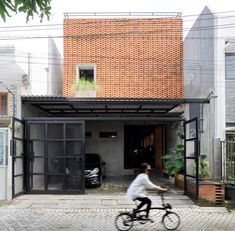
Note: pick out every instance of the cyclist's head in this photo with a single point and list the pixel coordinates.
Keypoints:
(144, 168)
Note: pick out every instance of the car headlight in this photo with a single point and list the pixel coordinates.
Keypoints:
(95, 171)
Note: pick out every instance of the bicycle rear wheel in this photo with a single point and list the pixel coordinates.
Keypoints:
(123, 222)
(171, 221)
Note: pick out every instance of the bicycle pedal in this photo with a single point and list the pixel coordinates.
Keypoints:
(148, 219)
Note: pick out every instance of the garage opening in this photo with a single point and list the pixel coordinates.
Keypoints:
(144, 144)
(125, 132)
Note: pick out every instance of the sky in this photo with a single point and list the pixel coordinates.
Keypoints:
(38, 47)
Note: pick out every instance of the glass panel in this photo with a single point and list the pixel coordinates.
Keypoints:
(55, 182)
(55, 131)
(38, 182)
(37, 131)
(18, 166)
(190, 149)
(74, 181)
(1, 149)
(38, 147)
(55, 148)
(18, 147)
(38, 165)
(19, 129)
(73, 148)
(74, 131)
(55, 165)
(191, 131)
(18, 184)
(191, 167)
(73, 165)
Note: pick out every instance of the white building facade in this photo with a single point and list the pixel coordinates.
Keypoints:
(209, 71)
(14, 83)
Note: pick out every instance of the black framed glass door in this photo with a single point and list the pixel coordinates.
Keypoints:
(191, 158)
(18, 157)
(55, 156)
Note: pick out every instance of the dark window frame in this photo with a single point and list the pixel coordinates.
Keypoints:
(86, 68)
(88, 135)
(229, 65)
(108, 135)
(3, 108)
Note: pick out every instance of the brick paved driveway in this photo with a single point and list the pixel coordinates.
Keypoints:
(53, 212)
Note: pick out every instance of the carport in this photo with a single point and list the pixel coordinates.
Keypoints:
(53, 142)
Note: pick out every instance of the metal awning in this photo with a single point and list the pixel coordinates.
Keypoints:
(111, 107)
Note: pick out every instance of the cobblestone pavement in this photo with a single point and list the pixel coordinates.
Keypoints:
(98, 212)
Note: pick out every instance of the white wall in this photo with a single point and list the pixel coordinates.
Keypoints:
(5, 187)
(199, 74)
(55, 70)
(204, 58)
(11, 76)
(110, 149)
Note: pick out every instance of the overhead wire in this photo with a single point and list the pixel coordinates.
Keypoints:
(199, 28)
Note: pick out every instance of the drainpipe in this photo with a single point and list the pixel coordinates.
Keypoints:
(202, 110)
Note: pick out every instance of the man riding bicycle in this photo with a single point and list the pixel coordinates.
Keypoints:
(138, 186)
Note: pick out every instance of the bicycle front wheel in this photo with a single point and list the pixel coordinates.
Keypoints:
(123, 222)
(171, 221)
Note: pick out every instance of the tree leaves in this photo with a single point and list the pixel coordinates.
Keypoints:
(30, 7)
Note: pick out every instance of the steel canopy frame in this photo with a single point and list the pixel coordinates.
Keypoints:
(110, 107)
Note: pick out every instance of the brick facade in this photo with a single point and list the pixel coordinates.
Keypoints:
(140, 58)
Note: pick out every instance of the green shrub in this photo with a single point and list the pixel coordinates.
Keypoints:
(174, 160)
(85, 85)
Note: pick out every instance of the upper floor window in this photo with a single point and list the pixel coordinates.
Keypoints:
(3, 103)
(86, 72)
(230, 66)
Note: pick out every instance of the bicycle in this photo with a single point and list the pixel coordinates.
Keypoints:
(171, 220)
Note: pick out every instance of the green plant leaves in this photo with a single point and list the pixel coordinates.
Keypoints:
(174, 160)
(203, 167)
(30, 7)
(85, 85)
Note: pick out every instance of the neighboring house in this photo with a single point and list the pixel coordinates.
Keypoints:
(54, 70)
(209, 71)
(45, 69)
(13, 82)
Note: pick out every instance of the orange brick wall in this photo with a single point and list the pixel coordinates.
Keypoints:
(133, 57)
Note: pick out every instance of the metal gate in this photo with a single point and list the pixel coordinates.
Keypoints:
(18, 157)
(55, 156)
(228, 172)
(191, 156)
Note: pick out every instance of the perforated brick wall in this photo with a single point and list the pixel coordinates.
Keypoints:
(134, 57)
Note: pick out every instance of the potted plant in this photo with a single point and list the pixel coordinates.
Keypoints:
(174, 160)
(85, 87)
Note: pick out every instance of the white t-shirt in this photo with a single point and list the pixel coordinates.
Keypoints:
(137, 187)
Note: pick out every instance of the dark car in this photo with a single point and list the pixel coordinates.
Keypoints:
(94, 169)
